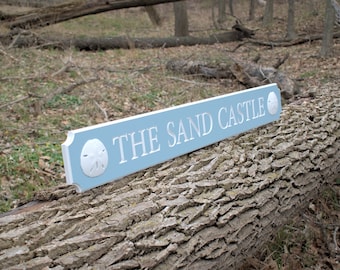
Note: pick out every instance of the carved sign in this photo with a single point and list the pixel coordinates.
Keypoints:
(103, 153)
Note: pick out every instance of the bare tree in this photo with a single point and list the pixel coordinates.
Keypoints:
(327, 40)
(268, 13)
(252, 7)
(155, 18)
(231, 8)
(221, 11)
(252, 10)
(181, 19)
(291, 34)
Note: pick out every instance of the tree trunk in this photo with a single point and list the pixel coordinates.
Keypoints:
(327, 40)
(231, 7)
(221, 11)
(181, 19)
(291, 34)
(122, 42)
(252, 7)
(74, 9)
(153, 15)
(268, 13)
(204, 210)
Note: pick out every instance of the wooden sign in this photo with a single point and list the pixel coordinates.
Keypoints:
(103, 153)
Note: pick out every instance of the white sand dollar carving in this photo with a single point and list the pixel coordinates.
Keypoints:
(272, 103)
(93, 158)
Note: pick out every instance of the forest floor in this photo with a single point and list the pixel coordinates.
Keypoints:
(46, 93)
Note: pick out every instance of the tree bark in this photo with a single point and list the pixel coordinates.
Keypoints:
(221, 11)
(268, 13)
(252, 7)
(231, 7)
(291, 34)
(31, 3)
(181, 19)
(247, 73)
(70, 10)
(327, 39)
(204, 210)
(125, 42)
(153, 15)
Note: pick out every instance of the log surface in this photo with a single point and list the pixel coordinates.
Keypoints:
(119, 42)
(204, 210)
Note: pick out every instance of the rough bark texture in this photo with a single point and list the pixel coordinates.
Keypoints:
(249, 74)
(74, 9)
(125, 42)
(181, 19)
(204, 210)
(327, 39)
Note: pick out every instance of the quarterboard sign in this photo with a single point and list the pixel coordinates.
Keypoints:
(105, 152)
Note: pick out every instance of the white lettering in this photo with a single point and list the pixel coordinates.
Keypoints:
(255, 114)
(196, 126)
(181, 132)
(153, 140)
(261, 107)
(232, 116)
(240, 113)
(210, 120)
(121, 147)
(134, 143)
(247, 108)
(219, 118)
(171, 133)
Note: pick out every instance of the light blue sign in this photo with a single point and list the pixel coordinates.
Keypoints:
(103, 153)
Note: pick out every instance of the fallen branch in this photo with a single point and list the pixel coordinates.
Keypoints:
(280, 61)
(248, 73)
(297, 41)
(67, 89)
(259, 75)
(106, 118)
(38, 103)
(70, 10)
(14, 101)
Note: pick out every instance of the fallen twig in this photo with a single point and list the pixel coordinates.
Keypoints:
(280, 61)
(334, 238)
(63, 69)
(188, 81)
(106, 118)
(8, 55)
(287, 43)
(14, 101)
(18, 100)
(68, 89)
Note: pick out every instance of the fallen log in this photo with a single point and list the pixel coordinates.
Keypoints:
(122, 42)
(204, 210)
(73, 9)
(249, 74)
